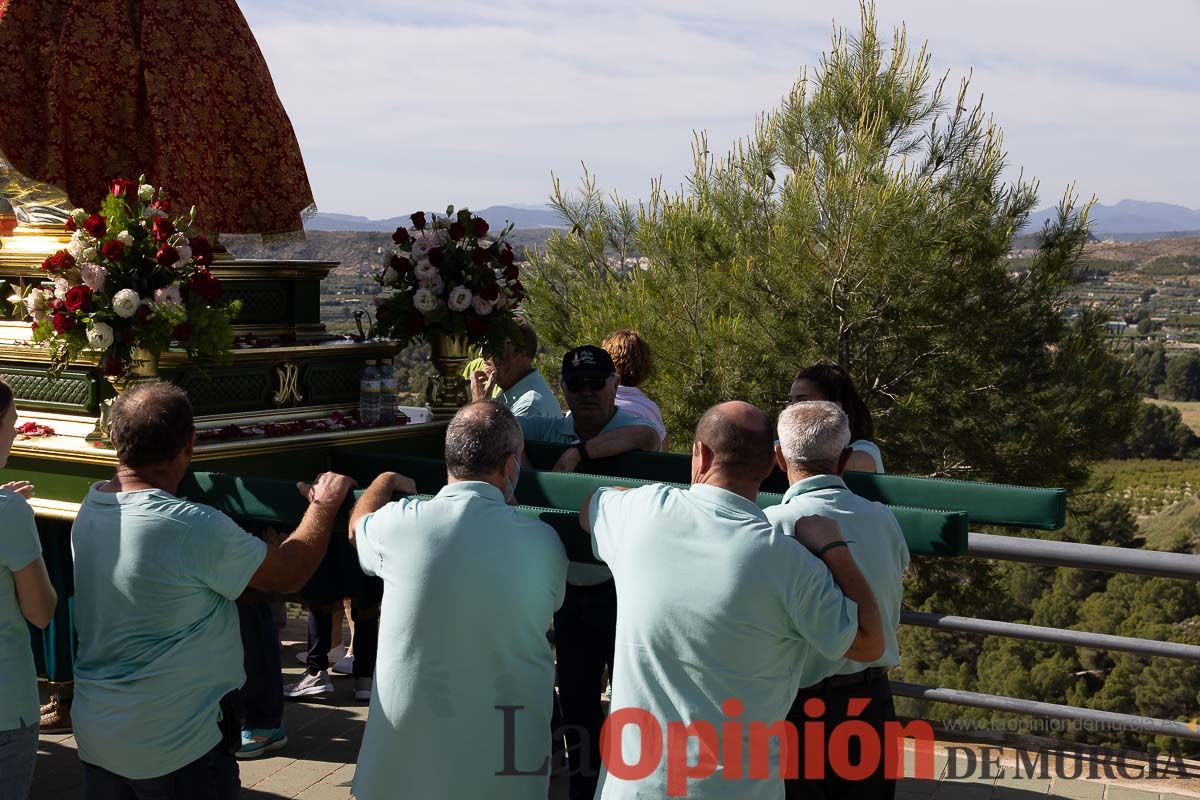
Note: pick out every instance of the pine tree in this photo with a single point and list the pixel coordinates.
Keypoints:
(864, 222)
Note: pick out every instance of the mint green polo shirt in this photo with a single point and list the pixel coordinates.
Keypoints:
(156, 578)
(19, 547)
(531, 397)
(561, 430)
(470, 587)
(879, 550)
(712, 603)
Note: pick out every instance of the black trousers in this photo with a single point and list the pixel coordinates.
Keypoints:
(262, 694)
(584, 635)
(366, 636)
(879, 710)
(213, 776)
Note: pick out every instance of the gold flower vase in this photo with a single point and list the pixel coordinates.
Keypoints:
(450, 355)
(144, 368)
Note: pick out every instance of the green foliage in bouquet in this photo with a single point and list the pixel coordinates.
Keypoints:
(132, 278)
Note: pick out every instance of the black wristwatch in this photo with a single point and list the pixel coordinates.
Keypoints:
(583, 453)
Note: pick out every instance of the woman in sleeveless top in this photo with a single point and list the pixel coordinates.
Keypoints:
(831, 382)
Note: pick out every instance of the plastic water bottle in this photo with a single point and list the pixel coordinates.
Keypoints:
(369, 390)
(387, 394)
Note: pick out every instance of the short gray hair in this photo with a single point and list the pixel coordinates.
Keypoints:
(814, 433)
(480, 438)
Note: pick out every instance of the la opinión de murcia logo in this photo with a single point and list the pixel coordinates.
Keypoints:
(741, 750)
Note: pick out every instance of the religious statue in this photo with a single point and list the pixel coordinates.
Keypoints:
(176, 90)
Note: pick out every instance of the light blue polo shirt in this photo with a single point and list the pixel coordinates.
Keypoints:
(712, 604)
(470, 587)
(19, 547)
(156, 578)
(531, 397)
(561, 430)
(879, 550)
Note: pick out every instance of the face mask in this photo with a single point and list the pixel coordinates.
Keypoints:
(512, 485)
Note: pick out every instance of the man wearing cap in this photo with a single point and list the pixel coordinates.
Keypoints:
(584, 626)
(596, 426)
(522, 389)
(813, 444)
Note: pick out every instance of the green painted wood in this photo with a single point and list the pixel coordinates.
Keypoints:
(75, 391)
(930, 532)
(984, 503)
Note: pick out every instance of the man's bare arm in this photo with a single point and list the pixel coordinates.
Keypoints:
(378, 495)
(610, 443)
(289, 565)
(819, 533)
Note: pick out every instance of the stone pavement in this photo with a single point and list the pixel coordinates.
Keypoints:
(323, 740)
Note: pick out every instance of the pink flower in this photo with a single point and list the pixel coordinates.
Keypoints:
(94, 276)
(168, 294)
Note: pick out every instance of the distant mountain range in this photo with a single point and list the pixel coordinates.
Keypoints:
(1128, 219)
(522, 216)
(1131, 219)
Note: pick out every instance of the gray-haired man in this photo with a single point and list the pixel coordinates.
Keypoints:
(813, 449)
(464, 677)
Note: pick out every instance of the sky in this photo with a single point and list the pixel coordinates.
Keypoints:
(403, 105)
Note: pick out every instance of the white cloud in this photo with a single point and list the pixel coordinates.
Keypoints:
(400, 105)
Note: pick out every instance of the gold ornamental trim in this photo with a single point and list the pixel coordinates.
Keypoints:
(75, 450)
(249, 355)
(54, 509)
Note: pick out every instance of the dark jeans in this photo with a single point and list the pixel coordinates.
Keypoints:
(879, 711)
(584, 635)
(366, 636)
(262, 694)
(213, 776)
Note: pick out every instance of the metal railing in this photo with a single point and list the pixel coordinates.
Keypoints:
(1180, 566)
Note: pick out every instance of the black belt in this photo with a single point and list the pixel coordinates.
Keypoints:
(863, 678)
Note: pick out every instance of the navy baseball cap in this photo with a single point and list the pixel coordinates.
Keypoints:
(586, 362)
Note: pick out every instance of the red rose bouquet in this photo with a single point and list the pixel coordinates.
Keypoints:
(133, 277)
(445, 277)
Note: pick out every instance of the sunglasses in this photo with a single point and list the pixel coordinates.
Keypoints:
(577, 384)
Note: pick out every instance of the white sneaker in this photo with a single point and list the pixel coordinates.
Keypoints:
(317, 685)
(362, 689)
(343, 666)
(336, 654)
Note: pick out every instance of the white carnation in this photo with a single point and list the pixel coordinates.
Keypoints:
(434, 284)
(459, 299)
(125, 238)
(37, 302)
(424, 301)
(424, 271)
(125, 303)
(77, 245)
(61, 285)
(90, 254)
(99, 336)
(185, 253)
(145, 193)
(482, 307)
(421, 246)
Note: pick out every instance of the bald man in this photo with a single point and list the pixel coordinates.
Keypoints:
(715, 613)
